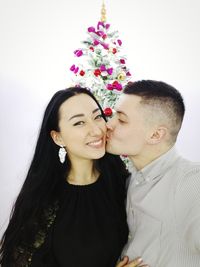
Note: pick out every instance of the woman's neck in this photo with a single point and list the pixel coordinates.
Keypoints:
(82, 172)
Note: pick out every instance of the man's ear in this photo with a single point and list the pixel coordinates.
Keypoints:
(56, 138)
(158, 135)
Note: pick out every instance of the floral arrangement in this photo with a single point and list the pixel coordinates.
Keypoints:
(101, 66)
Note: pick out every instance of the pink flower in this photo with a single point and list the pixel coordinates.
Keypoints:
(128, 74)
(109, 86)
(117, 86)
(91, 29)
(119, 42)
(114, 84)
(107, 26)
(122, 61)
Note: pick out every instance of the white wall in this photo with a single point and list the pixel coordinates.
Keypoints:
(37, 39)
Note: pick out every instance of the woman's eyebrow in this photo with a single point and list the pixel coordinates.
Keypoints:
(81, 114)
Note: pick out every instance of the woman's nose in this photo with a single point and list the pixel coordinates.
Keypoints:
(95, 130)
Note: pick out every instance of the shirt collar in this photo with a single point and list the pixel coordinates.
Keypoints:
(156, 168)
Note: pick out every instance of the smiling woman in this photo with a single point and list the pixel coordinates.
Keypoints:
(82, 129)
(70, 211)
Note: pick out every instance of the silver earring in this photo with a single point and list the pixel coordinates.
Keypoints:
(62, 154)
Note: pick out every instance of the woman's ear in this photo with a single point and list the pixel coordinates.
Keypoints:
(158, 135)
(56, 138)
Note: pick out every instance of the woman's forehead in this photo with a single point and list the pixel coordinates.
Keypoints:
(78, 104)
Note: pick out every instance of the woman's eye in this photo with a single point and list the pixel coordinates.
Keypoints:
(78, 123)
(98, 117)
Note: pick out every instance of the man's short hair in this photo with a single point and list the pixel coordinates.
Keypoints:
(163, 100)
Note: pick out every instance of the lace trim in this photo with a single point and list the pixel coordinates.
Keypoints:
(23, 254)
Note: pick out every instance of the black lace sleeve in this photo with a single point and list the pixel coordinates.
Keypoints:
(24, 254)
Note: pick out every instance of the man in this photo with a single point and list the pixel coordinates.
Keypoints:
(163, 202)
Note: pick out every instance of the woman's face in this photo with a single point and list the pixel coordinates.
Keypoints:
(82, 128)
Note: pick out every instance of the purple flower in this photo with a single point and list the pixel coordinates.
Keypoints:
(107, 26)
(76, 70)
(118, 87)
(100, 33)
(91, 29)
(106, 46)
(102, 68)
(72, 68)
(78, 53)
(110, 71)
(100, 23)
(95, 42)
(128, 74)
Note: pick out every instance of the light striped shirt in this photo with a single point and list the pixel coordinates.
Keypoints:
(163, 209)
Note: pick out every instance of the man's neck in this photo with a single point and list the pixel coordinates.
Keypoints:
(149, 155)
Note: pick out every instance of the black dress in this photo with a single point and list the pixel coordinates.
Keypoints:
(90, 229)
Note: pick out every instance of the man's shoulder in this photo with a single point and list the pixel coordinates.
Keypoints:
(188, 174)
(187, 166)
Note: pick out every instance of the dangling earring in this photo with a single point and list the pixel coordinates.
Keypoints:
(62, 154)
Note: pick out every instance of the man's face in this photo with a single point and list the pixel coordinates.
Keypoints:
(127, 130)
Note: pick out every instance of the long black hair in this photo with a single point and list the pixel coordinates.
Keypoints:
(45, 179)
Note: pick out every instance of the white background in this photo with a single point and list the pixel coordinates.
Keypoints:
(37, 38)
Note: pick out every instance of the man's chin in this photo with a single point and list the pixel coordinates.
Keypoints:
(111, 150)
